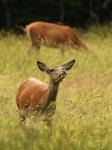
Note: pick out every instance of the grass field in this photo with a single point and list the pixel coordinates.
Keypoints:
(83, 118)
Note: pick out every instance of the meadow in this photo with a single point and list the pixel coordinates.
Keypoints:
(83, 118)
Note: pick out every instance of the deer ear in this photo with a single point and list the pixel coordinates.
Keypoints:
(42, 66)
(69, 65)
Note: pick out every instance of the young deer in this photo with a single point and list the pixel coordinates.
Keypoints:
(34, 95)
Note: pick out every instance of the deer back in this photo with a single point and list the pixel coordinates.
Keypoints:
(31, 93)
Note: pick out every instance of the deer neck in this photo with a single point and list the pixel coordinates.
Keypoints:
(51, 94)
(53, 90)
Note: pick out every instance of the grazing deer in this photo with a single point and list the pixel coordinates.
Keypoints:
(35, 95)
(52, 34)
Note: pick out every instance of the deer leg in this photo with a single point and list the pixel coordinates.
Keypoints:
(35, 45)
(23, 115)
(48, 120)
(49, 114)
(62, 50)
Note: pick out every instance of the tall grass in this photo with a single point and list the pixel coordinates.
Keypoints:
(83, 118)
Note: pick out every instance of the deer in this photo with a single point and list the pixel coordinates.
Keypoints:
(33, 95)
(52, 35)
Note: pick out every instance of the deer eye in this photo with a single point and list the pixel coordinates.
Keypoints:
(51, 70)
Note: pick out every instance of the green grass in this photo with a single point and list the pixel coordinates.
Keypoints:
(83, 118)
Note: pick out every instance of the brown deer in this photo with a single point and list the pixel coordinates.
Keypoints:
(52, 35)
(34, 95)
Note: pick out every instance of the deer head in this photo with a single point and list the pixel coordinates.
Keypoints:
(57, 74)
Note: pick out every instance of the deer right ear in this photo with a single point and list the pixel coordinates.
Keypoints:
(69, 65)
(42, 66)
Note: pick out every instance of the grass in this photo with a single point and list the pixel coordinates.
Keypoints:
(83, 118)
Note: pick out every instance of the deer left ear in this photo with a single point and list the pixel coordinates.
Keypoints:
(42, 66)
(69, 65)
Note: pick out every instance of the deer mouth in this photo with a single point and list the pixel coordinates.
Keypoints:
(60, 77)
(63, 75)
(58, 80)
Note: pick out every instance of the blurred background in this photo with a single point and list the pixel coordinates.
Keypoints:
(79, 13)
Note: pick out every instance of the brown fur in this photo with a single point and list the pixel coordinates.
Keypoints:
(31, 93)
(52, 34)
